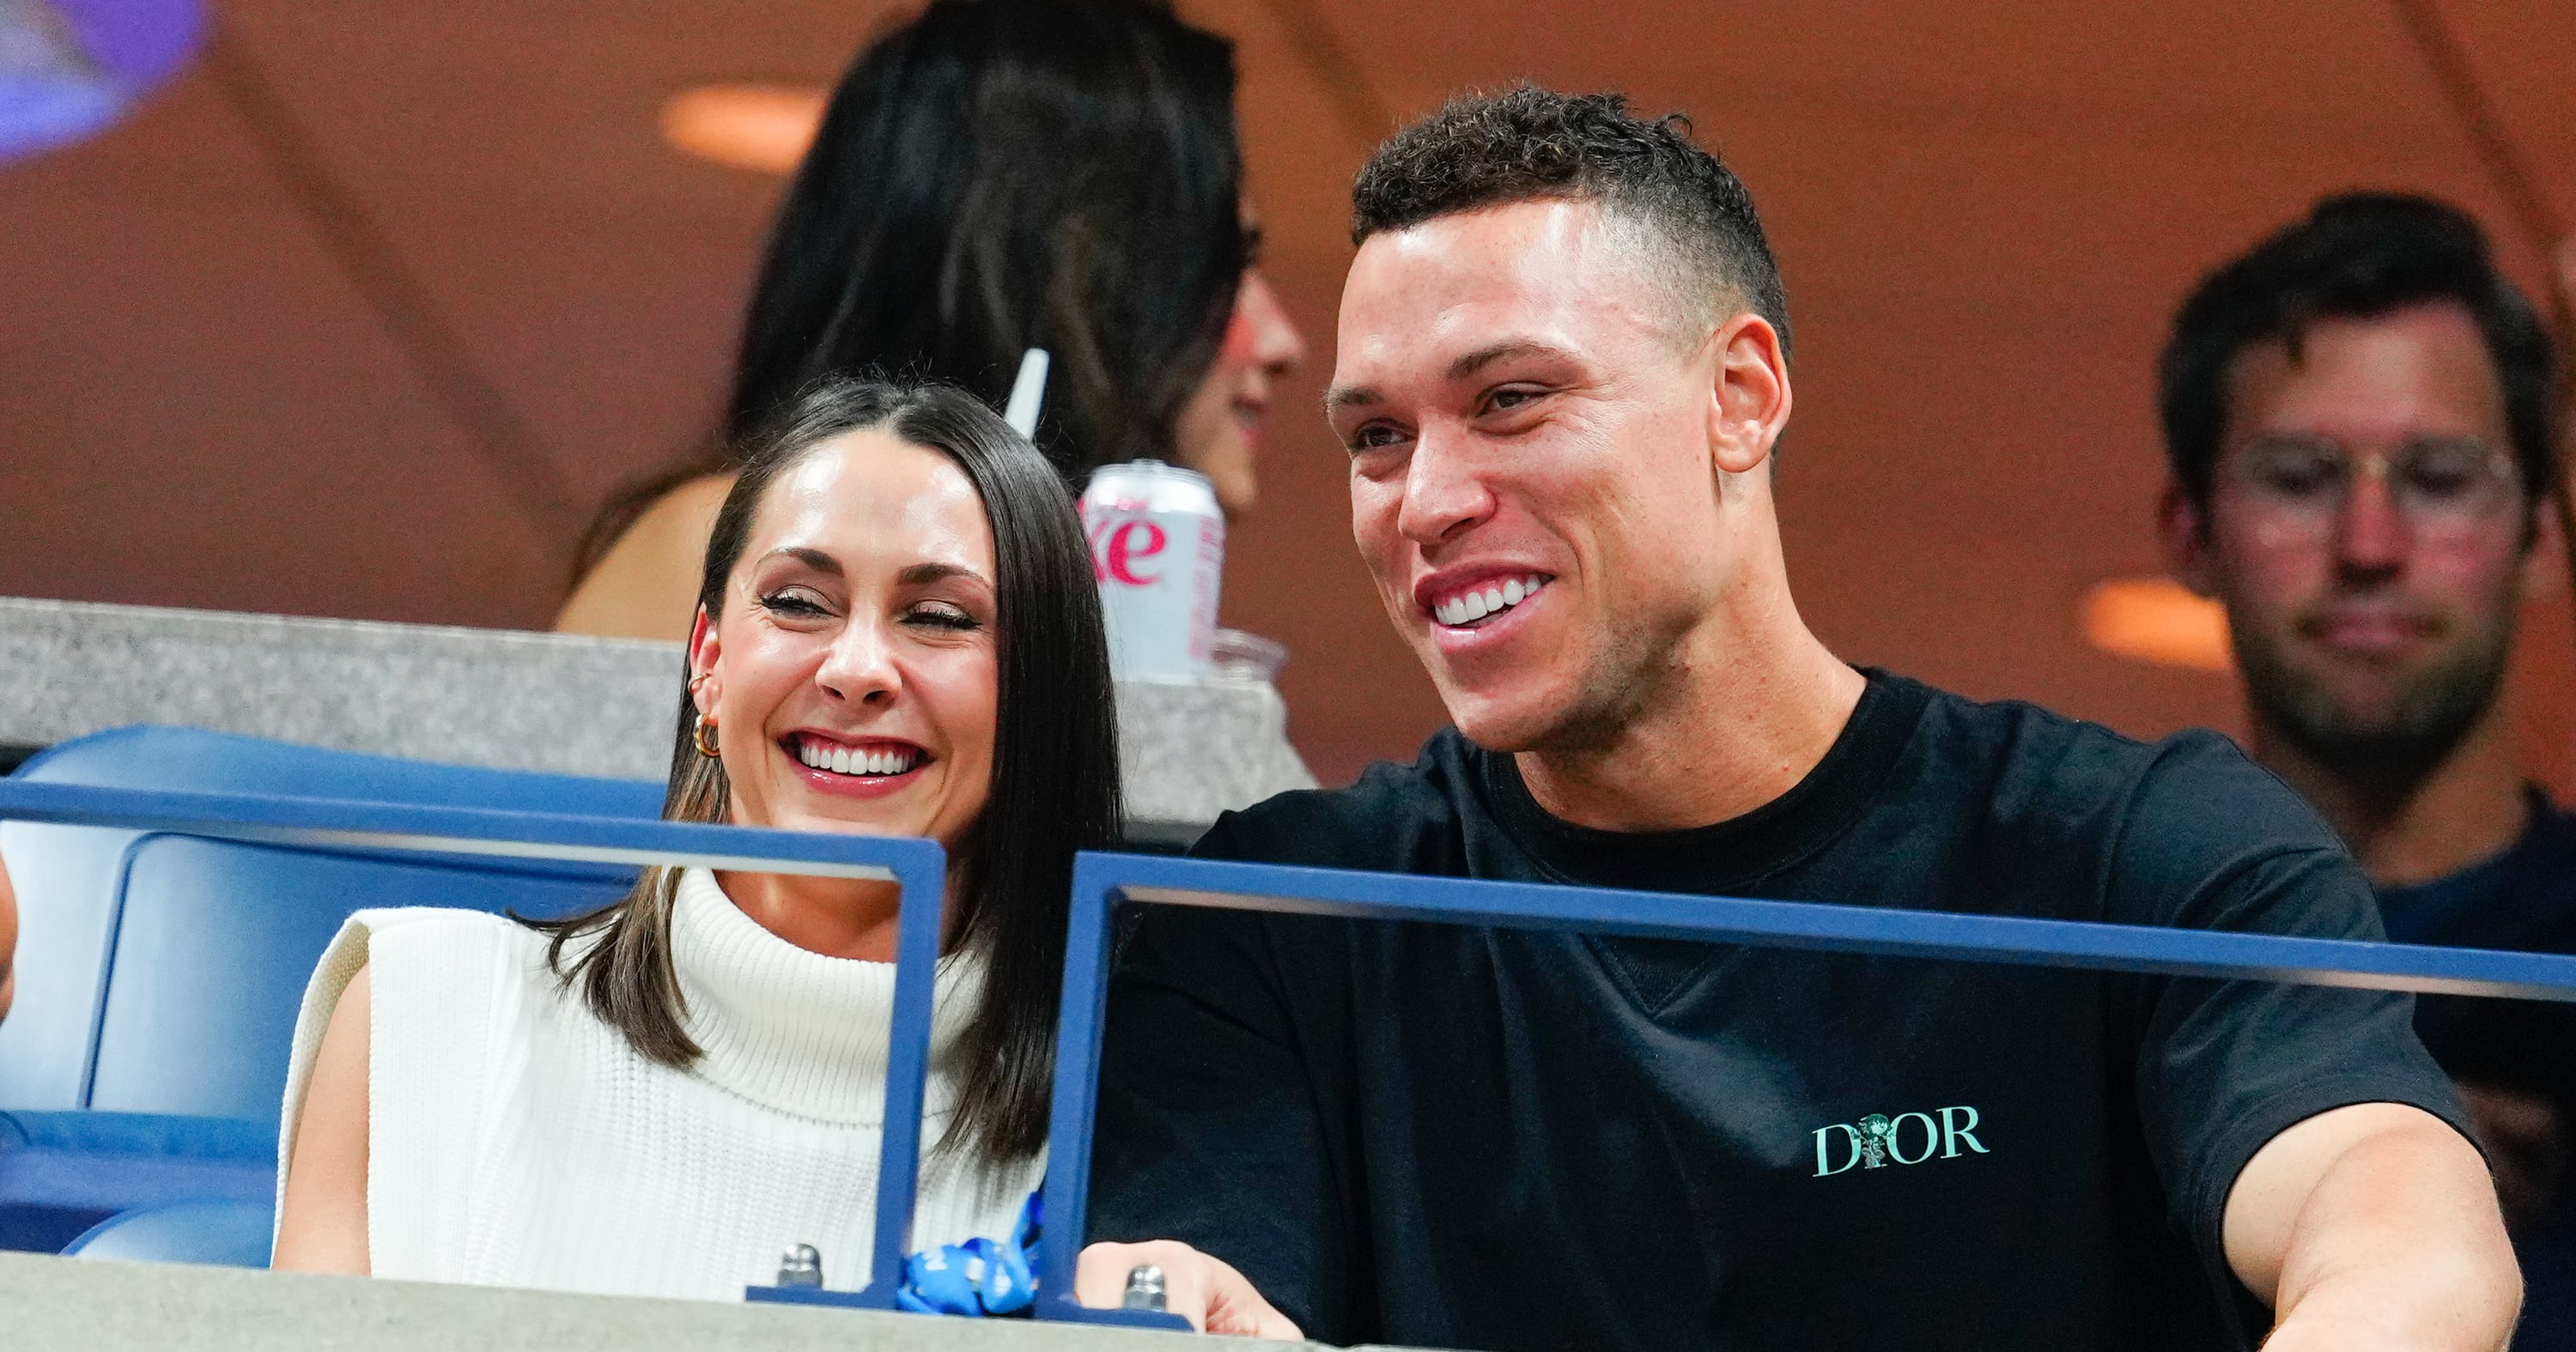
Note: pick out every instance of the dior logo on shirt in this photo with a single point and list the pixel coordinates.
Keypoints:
(1876, 1141)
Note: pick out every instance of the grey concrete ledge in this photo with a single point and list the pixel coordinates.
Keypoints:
(129, 1307)
(520, 701)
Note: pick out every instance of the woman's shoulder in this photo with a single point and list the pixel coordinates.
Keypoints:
(424, 958)
(436, 976)
(647, 582)
(452, 924)
(440, 920)
(438, 935)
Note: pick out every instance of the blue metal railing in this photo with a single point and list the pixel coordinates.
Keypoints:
(1103, 882)
(917, 867)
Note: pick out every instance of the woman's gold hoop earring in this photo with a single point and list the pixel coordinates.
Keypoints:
(700, 735)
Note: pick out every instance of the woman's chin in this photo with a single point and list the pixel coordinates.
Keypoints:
(895, 806)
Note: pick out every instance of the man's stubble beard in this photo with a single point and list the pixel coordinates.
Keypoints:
(1611, 695)
(2433, 709)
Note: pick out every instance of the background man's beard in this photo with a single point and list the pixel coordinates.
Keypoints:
(2433, 709)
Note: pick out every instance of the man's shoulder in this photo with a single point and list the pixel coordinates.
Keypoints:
(2552, 836)
(2193, 790)
(1392, 818)
(2006, 730)
(2078, 755)
(2540, 880)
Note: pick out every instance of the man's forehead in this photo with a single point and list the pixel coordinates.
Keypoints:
(1540, 273)
(2424, 366)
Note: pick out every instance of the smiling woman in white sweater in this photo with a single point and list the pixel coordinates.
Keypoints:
(898, 634)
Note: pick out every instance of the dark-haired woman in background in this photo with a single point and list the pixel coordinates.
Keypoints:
(997, 175)
(897, 633)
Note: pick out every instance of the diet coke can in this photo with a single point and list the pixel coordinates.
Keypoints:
(1157, 549)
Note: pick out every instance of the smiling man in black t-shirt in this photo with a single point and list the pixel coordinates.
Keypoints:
(1562, 372)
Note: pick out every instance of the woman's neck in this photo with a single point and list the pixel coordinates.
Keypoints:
(836, 917)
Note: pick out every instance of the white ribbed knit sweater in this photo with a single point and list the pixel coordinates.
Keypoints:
(514, 1139)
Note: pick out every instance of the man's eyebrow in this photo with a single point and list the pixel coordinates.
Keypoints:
(812, 558)
(1483, 357)
(1348, 396)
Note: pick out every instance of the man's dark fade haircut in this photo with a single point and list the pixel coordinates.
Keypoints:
(2356, 256)
(1528, 144)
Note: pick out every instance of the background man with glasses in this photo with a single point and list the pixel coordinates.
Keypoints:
(2357, 414)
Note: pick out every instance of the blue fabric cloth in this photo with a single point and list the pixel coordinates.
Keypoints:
(979, 1277)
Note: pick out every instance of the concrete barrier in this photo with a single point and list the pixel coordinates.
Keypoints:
(521, 701)
(75, 1305)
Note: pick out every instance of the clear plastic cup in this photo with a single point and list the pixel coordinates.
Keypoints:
(1238, 656)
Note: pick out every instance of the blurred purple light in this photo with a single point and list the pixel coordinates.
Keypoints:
(69, 68)
(140, 42)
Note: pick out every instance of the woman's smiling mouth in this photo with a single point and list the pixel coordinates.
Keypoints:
(867, 762)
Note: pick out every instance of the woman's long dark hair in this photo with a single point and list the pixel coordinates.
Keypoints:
(997, 175)
(1055, 763)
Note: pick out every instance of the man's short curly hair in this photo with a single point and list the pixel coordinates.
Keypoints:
(1529, 144)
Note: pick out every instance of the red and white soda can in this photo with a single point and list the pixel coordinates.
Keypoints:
(1158, 551)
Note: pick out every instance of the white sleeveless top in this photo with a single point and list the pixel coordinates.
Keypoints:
(514, 1139)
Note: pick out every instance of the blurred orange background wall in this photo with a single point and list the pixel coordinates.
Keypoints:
(366, 314)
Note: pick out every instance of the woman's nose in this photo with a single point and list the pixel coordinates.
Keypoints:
(1276, 344)
(860, 667)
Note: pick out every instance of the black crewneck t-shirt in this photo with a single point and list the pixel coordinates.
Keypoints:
(1453, 1136)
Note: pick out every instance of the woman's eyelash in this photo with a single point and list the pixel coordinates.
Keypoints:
(796, 604)
(789, 603)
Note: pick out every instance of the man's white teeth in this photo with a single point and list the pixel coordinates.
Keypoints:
(841, 760)
(1469, 607)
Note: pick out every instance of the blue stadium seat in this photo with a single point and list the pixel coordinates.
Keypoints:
(62, 1173)
(159, 974)
(215, 938)
(88, 1005)
(216, 1233)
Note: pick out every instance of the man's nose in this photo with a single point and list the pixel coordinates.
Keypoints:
(860, 667)
(2371, 533)
(1444, 492)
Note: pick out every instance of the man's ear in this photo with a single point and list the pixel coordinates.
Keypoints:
(1749, 396)
(703, 650)
(2544, 565)
(2182, 534)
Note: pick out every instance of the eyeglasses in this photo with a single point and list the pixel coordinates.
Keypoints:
(2443, 487)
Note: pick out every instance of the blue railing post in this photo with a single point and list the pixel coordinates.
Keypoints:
(918, 930)
(1077, 1086)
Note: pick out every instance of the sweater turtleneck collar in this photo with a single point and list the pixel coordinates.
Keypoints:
(798, 1031)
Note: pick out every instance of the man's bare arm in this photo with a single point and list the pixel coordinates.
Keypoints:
(2374, 1226)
